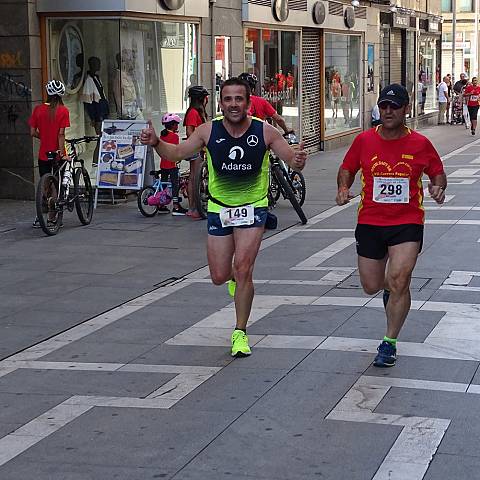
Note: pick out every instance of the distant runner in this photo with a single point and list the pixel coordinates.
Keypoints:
(392, 159)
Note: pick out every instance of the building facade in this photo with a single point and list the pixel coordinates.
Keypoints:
(320, 63)
(467, 55)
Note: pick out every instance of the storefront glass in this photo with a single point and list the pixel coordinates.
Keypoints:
(273, 57)
(427, 90)
(342, 83)
(144, 69)
(223, 65)
(410, 68)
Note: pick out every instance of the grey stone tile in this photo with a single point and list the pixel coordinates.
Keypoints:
(201, 472)
(276, 358)
(430, 403)
(303, 320)
(372, 322)
(231, 390)
(461, 438)
(185, 355)
(329, 361)
(202, 295)
(435, 369)
(320, 392)
(20, 408)
(128, 437)
(14, 338)
(305, 290)
(460, 296)
(7, 428)
(447, 467)
(303, 449)
(18, 468)
(94, 352)
(64, 382)
(44, 318)
(12, 303)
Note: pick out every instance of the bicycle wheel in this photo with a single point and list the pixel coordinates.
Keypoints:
(201, 187)
(299, 186)
(83, 194)
(49, 213)
(278, 173)
(142, 200)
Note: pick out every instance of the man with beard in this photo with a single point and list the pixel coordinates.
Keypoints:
(389, 234)
(237, 148)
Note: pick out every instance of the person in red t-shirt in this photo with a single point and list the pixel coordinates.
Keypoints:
(47, 123)
(281, 80)
(170, 171)
(195, 116)
(392, 159)
(261, 108)
(472, 94)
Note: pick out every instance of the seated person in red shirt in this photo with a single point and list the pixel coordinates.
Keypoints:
(260, 108)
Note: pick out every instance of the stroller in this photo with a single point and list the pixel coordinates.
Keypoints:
(457, 109)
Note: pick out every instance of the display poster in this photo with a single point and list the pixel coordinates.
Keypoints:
(370, 67)
(121, 162)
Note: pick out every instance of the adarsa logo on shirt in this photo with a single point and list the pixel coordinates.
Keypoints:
(236, 166)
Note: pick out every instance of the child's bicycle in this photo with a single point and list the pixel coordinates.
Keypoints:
(150, 199)
(69, 187)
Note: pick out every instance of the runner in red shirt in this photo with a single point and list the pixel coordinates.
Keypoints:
(48, 123)
(392, 160)
(170, 171)
(261, 108)
(472, 93)
(196, 115)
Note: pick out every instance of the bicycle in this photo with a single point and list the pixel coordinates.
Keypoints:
(287, 182)
(201, 187)
(151, 208)
(54, 190)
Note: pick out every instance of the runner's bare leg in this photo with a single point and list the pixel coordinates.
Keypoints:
(372, 274)
(403, 258)
(220, 252)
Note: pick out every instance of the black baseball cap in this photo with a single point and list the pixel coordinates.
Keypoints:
(394, 93)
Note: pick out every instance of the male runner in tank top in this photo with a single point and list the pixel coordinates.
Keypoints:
(237, 153)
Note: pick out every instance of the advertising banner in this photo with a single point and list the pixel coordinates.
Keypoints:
(122, 158)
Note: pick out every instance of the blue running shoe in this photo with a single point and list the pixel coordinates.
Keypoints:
(386, 356)
(386, 296)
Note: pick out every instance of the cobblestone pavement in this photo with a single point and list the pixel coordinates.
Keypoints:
(115, 361)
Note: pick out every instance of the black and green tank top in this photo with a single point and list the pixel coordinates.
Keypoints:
(237, 167)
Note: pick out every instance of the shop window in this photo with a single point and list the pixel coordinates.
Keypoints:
(273, 57)
(223, 65)
(342, 83)
(465, 6)
(428, 67)
(410, 68)
(446, 6)
(144, 69)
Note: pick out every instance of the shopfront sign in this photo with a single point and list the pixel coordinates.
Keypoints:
(280, 10)
(432, 26)
(172, 4)
(121, 159)
(319, 13)
(349, 17)
(401, 21)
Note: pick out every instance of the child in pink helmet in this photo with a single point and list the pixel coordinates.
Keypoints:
(170, 171)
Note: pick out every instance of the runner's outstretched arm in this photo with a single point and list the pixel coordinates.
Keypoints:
(345, 180)
(295, 158)
(175, 153)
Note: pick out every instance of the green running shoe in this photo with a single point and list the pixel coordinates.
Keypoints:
(232, 286)
(240, 346)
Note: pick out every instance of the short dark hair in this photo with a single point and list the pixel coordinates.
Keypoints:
(236, 82)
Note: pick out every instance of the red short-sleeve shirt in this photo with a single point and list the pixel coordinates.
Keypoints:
(192, 118)
(408, 157)
(474, 98)
(49, 126)
(170, 137)
(260, 108)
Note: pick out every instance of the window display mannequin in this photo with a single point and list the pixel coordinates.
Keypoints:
(93, 95)
(125, 91)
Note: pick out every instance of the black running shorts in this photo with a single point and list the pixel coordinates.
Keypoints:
(473, 112)
(373, 241)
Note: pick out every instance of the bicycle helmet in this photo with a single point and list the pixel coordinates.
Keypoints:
(170, 117)
(55, 87)
(250, 78)
(198, 91)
